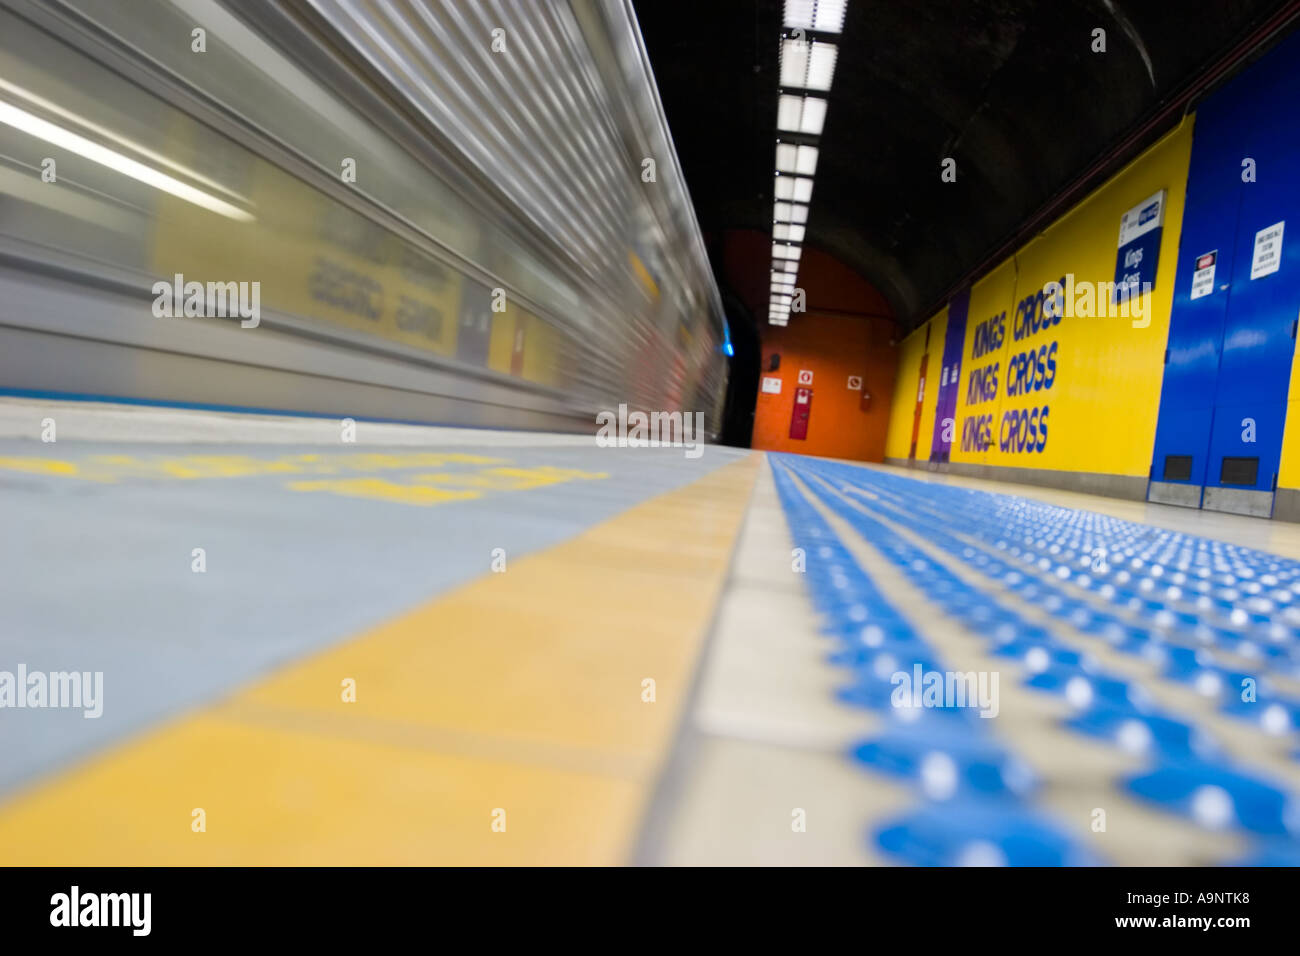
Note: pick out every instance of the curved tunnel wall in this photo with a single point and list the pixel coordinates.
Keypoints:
(842, 343)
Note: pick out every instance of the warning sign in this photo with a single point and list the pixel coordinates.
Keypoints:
(1268, 251)
(805, 377)
(1203, 277)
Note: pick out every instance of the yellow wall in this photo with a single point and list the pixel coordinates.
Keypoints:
(906, 385)
(904, 400)
(1288, 473)
(1105, 391)
(933, 369)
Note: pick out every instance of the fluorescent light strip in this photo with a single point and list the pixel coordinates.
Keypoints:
(807, 64)
(796, 159)
(785, 156)
(74, 143)
(825, 16)
(789, 212)
(798, 188)
(800, 114)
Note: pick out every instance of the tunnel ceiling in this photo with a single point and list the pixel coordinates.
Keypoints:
(1009, 88)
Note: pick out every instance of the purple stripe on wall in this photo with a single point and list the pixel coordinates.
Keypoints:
(948, 374)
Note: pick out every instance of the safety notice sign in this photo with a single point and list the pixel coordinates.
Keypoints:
(1268, 251)
(1203, 277)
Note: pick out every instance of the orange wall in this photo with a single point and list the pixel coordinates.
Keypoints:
(846, 331)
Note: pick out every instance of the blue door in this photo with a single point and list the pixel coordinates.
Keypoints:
(1232, 329)
(1195, 344)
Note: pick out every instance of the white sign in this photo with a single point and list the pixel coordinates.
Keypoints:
(1147, 215)
(1268, 251)
(771, 386)
(1203, 277)
(855, 382)
(805, 377)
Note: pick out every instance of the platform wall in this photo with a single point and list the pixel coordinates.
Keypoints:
(1068, 401)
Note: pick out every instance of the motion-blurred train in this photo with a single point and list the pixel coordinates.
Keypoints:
(461, 213)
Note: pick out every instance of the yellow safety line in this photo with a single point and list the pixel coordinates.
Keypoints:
(519, 692)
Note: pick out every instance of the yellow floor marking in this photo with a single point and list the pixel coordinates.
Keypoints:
(427, 490)
(379, 489)
(520, 691)
(190, 467)
(39, 466)
(512, 479)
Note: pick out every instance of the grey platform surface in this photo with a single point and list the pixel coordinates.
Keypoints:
(96, 576)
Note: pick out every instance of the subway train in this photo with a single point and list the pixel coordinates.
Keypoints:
(464, 214)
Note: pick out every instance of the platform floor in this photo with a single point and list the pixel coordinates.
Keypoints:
(450, 646)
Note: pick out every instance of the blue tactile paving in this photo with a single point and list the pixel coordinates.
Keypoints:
(949, 755)
(980, 833)
(1176, 600)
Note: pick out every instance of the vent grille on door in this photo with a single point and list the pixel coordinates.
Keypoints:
(1178, 467)
(1239, 471)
